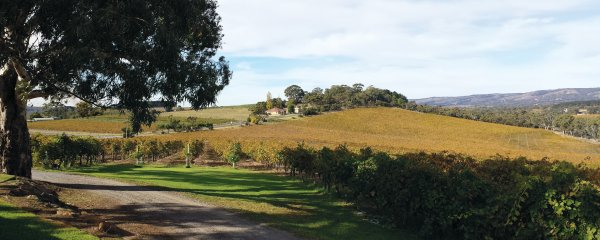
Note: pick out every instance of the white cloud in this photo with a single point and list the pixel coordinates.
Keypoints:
(420, 48)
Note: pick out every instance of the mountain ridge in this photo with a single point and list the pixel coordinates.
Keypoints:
(534, 98)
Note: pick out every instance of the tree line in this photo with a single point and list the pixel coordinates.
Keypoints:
(337, 97)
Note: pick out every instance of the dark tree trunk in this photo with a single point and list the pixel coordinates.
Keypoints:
(15, 151)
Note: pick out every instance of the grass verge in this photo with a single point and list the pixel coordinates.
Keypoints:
(18, 224)
(281, 202)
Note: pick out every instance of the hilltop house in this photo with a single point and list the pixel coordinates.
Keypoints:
(275, 111)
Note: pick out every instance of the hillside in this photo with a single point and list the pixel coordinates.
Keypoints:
(543, 97)
(399, 130)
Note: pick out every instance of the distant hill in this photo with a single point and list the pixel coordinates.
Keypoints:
(542, 97)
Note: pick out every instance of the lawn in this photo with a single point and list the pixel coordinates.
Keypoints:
(4, 177)
(18, 224)
(279, 201)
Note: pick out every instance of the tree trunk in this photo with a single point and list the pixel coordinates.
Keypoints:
(15, 151)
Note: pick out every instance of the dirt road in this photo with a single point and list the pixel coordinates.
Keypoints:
(163, 214)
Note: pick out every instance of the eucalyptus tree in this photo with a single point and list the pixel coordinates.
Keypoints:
(108, 53)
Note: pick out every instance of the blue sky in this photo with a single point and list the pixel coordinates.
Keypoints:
(419, 48)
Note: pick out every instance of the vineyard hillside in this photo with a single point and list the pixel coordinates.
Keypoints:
(398, 130)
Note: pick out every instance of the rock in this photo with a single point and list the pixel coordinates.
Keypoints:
(105, 227)
(32, 197)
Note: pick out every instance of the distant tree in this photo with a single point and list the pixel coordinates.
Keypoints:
(358, 87)
(314, 97)
(258, 108)
(56, 109)
(35, 115)
(294, 93)
(290, 107)
(85, 109)
(108, 53)
(563, 122)
(279, 103)
(269, 103)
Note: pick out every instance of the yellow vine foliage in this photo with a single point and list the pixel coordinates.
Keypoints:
(400, 131)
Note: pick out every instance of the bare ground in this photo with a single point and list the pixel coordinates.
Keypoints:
(139, 212)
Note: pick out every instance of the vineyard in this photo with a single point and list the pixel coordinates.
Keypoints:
(400, 131)
(435, 193)
(440, 195)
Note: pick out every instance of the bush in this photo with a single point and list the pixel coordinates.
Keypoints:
(310, 112)
(234, 153)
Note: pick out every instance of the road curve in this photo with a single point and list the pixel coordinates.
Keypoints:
(175, 216)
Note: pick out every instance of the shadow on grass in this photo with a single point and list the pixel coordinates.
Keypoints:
(300, 207)
(15, 224)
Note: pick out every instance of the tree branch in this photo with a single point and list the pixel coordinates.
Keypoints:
(37, 94)
(22, 72)
(64, 90)
(20, 69)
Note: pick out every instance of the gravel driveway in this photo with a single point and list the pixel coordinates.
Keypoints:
(168, 214)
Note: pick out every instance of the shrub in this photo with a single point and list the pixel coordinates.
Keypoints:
(234, 153)
(310, 111)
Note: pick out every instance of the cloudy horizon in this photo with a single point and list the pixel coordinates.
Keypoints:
(418, 48)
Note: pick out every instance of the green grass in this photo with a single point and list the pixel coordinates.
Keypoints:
(18, 224)
(109, 123)
(5, 177)
(235, 113)
(281, 202)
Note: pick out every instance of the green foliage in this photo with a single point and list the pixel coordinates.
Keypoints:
(294, 94)
(191, 124)
(310, 111)
(35, 115)
(155, 49)
(63, 151)
(290, 107)
(56, 109)
(85, 110)
(339, 97)
(451, 196)
(258, 108)
(255, 119)
(234, 153)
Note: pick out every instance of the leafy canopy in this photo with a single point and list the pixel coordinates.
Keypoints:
(115, 53)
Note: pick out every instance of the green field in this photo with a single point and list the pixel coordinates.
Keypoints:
(4, 177)
(235, 113)
(17, 224)
(110, 123)
(281, 202)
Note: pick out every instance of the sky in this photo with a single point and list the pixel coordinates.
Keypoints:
(420, 48)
